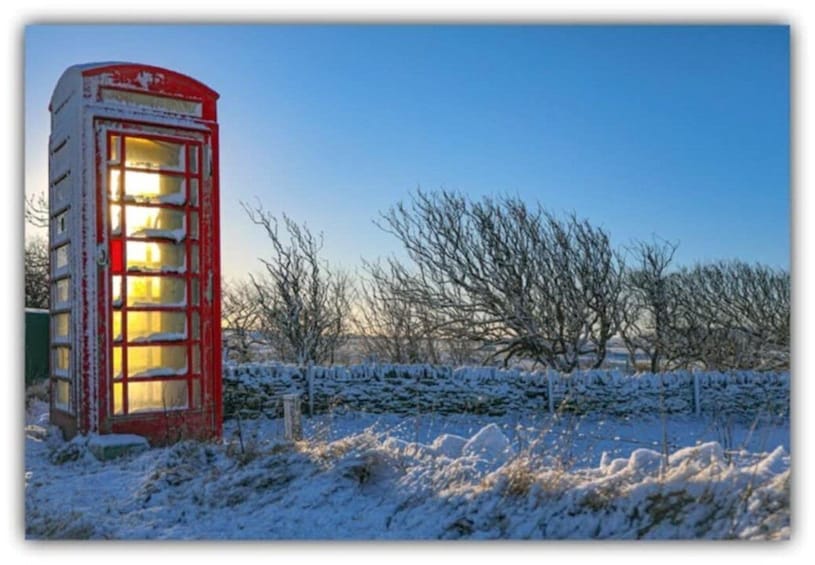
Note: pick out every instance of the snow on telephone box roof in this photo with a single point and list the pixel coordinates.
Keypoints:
(136, 85)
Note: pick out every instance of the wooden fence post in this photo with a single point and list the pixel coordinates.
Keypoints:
(310, 382)
(550, 396)
(292, 417)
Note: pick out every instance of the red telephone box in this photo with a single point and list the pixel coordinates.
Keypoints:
(135, 264)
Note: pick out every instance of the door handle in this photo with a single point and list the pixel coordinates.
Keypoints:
(102, 256)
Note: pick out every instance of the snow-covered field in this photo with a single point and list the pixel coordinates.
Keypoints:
(364, 476)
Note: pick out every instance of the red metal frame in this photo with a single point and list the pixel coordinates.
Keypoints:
(203, 420)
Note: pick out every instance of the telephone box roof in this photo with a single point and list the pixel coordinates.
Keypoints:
(147, 78)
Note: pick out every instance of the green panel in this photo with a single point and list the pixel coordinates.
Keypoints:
(36, 346)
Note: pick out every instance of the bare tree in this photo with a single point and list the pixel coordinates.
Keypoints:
(523, 282)
(735, 315)
(240, 311)
(304, 305)
(36, 258)
(398, 330)
(393, 328)
(650, 303)
(36, 274)
(36, 210)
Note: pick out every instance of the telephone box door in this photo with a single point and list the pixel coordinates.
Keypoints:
(158, 253)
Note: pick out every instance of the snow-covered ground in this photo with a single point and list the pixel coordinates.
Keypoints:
(366, 476)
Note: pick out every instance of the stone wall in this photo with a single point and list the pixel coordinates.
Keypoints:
(412, 389)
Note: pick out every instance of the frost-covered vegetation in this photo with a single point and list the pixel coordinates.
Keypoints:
(363, 476)
(498, 281)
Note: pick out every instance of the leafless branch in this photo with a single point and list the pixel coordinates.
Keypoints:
(521, 280)
(304, 305)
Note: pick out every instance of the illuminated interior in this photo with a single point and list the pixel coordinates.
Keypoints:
(63, 289)
(149, 215)
(141, 326)
(61, 325)
(61, 358)
(154, 154)
(147, 187)
(153, 291)
(61, 256)
(154, 222)
(146, 326)
(150, 396)
(62, 396)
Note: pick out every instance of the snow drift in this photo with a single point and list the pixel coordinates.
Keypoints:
(372, 485)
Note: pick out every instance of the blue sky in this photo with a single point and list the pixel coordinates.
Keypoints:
(677, 131)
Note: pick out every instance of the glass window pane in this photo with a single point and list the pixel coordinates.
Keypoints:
(117, 363)
(156, 396)
(155, 291)
(61, 256)
(114, 152)
(154, 188)
(155, 257)
(194, 192)
(194, 257)
(156, 360)
(196, 359)
(117, 326)
(61, 223)
(115, 185)
(61, 291)
(195, 286)
(165, 103)
(62, 189)
(193, 159)
(61, 358)
(62, 322)
(115, 219)
(196, 325)
(196, 393)
(118, 400)
(154, 154)
(194, 225)
(148, 222)
(116, 290)
(205, 165)
(156, 326)
(62, 394)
